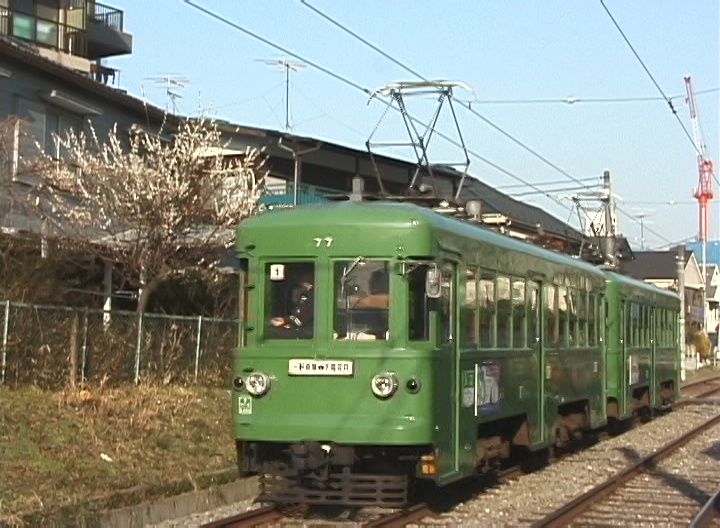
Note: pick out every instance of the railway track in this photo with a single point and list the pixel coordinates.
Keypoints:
(648, 493)
(701, 388)
(256, 517)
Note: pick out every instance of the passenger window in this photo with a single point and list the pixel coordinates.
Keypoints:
(581, 318)
(504, 312)
(552, 334)
(533, 323)
(469, 315)
(418, 304)
(486, 298)
(592, 319)
(447, 302)
(519, 314)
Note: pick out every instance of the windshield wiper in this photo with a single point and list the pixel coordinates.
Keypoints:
(347, 270)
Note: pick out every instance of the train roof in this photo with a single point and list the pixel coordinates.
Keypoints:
(638, 286)
(384, 213)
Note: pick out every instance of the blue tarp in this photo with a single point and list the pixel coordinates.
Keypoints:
(712, 249)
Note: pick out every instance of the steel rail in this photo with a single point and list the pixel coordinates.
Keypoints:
(255, 517)
(700, 382)
(402, 517)
(570, 511)
(708, 513)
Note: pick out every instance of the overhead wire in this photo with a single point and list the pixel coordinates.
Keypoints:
(556, 182)
(348, 82)
(698, 148)
(652, 78)
(468, 105)
(578, 100)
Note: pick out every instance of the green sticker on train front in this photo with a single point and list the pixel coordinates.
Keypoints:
(244, 405)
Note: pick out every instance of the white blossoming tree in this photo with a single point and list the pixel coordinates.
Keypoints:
(154, 207)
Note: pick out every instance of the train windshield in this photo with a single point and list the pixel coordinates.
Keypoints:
(362, 299)
(289, 300)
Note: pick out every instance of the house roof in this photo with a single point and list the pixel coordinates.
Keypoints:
(493, 201)
(14, 51)
(656, 265)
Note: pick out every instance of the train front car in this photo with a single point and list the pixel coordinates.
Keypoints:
(643, 352)
(334, 380)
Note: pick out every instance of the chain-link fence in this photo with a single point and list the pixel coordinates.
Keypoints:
(56, 346)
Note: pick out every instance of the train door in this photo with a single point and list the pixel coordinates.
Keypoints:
(448, 372)
(625, 359)
(537, 299)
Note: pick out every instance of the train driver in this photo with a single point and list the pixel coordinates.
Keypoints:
(300, 318)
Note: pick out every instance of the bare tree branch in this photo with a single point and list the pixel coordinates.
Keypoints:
(152, 206)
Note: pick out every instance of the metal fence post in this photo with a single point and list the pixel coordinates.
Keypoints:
(83, 367)
(197, 348)
(137, 349)
(6, 325)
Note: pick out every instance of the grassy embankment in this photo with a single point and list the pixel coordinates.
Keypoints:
(65, 454)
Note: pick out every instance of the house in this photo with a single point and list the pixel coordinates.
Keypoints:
(712, 298)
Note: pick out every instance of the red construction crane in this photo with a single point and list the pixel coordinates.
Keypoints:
(703, 192)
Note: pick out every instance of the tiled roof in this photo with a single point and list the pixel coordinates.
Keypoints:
(654, 264)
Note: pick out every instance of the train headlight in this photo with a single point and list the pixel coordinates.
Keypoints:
(258, 383)
(384, 385)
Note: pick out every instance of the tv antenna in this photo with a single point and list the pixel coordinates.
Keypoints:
(172, 84)
(287, 66)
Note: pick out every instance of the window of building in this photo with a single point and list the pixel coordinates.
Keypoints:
(23, 26)
(47, 33)
(41, 124)
(23, 6)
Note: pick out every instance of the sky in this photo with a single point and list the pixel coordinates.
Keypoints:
(523, 60)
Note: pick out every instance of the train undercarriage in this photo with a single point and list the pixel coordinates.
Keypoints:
(326, 473)
(312, 472)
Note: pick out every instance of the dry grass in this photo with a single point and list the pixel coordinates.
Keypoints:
(68, 452)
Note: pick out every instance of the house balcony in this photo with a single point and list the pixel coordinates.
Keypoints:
(105, 34)
(93, 30)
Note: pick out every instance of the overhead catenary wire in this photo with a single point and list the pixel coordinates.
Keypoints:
(556, 182)
(578, 100)
(652, 78)
(468, 105)
(348, 82)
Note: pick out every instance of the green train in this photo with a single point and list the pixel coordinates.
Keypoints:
(383, 343)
